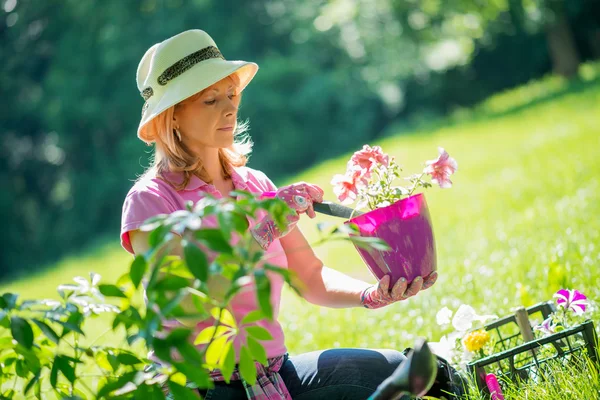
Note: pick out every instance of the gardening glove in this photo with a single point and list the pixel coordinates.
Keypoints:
(380, 295)
(299, 197)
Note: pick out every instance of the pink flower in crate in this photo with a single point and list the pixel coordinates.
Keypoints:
(441, 169)
(572, 300)
(368, 158)
(548, 327)
(346, 186)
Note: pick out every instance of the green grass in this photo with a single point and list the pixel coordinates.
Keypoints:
(520, 222)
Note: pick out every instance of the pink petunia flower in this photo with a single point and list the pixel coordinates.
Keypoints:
(346, 187)
(368, 158)
(572, 300)
(548, 327)
(441, 169)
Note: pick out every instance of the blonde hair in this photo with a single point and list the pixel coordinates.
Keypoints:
(171, 155)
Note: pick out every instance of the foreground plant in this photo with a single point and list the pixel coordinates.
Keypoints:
(42, 342)
(42, 347)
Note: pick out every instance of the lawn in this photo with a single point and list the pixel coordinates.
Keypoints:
(519, 223)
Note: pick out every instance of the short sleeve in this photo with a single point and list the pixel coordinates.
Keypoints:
(141, 204)
(261, 180)
(270, 183)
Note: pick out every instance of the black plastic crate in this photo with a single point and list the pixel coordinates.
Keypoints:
(530, 361)
(505, 333)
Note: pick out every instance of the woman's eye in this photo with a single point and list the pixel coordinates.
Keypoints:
(210, 102)
(231, 96)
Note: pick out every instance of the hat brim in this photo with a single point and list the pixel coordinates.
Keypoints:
(192, 82)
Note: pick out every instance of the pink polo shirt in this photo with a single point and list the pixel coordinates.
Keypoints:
(153, 196)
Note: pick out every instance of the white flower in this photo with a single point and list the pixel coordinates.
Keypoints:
(446, 347)
(464, 317)
(443, 316)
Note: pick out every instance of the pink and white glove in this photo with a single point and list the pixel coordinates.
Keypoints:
(379, 295)
(299, 197)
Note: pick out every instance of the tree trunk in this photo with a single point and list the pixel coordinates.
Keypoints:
(561, 42)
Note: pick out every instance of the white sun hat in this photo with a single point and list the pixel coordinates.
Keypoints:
(179, 67)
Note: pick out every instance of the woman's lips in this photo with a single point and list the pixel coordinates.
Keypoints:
(226, 128)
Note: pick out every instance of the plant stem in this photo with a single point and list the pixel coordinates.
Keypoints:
(414, 186)
(76, 342)
(215, 325)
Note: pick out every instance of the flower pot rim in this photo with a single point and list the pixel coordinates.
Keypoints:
(382, 209)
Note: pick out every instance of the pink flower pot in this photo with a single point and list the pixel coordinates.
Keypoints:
(406, 227)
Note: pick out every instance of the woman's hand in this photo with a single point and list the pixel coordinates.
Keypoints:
(380, 295)
(299, 197)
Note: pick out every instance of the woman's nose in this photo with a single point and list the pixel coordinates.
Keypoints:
(230, 108)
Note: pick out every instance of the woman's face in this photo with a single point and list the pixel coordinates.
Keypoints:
(209, 120)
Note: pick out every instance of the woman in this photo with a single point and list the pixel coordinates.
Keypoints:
(192, 97)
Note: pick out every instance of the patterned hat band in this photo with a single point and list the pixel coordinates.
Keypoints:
(181, 66)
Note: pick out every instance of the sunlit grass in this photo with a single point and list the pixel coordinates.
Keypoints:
(520, 223)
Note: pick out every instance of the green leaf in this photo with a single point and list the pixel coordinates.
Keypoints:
(348, 228)
(54, 373)
(247, 367)
(178, 268)
(102, 360)
(209, 332)
(66, 368)
(113, 361)
(171, 283)
(178, 335)
(173, 305)
(113, 385)
(162, 349)
(190, 353)
(252, 317)
(32, 382)
(180, 392)
(225, 318)
(21, 331)
(31, 358)
(128, 359)
(258, 351)
(215, 349)
(194, 374)
(47, 330)
(196, 260)
(148, 392)
(4, 321)
(263, 292)
(21, 369)
(228, 361)
(137, 270)
(8, 300)
(258, 332)
(369, 243)
(6, 343)
(111, 291)
(157, 236)
(73, 324)
(232, 221)
(214, 240)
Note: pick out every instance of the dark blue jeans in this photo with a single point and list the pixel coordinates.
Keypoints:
(338, 374)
